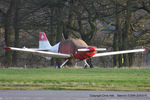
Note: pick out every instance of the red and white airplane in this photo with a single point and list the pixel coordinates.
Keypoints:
(69, 49)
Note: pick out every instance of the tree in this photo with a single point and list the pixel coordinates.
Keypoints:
(10, 16)
(76, 19)
(124, 38)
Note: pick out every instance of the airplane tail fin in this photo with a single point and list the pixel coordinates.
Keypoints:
(43, 42)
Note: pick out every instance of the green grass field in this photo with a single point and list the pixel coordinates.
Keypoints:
(127, 79)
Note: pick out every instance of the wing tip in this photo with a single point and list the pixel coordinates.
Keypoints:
(7, 48)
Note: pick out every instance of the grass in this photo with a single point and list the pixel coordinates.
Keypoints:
(128, 79)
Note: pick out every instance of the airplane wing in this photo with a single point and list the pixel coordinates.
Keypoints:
(38, 52)
(118, 52)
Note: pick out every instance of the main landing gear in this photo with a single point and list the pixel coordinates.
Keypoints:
(88, 63)
(60, 66)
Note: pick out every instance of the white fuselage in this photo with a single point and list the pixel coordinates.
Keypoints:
(54, 48)
(44, 45)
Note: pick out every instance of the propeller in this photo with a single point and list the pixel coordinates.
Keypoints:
(95, 49)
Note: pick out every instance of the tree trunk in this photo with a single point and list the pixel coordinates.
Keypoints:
(10, 31)
(127, 34)
(59, 30)
(116, 38)
(16, 28)
(52, 36)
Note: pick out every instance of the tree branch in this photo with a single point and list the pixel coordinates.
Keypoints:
(3, 13)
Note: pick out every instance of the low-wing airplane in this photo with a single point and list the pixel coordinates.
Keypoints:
(69, 49)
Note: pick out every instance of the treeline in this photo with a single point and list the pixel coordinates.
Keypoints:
(115, 24)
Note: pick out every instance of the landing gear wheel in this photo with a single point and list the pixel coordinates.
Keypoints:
(91, 66)
(90, 63)
(85, 66)
(57, 66)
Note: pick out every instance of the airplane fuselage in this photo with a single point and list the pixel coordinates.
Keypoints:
(71, 46)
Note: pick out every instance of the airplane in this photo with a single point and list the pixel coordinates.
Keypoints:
(69, 49)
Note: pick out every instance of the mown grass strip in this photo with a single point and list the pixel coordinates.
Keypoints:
(129, 79)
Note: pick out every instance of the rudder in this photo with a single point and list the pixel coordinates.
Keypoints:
(43, 41)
